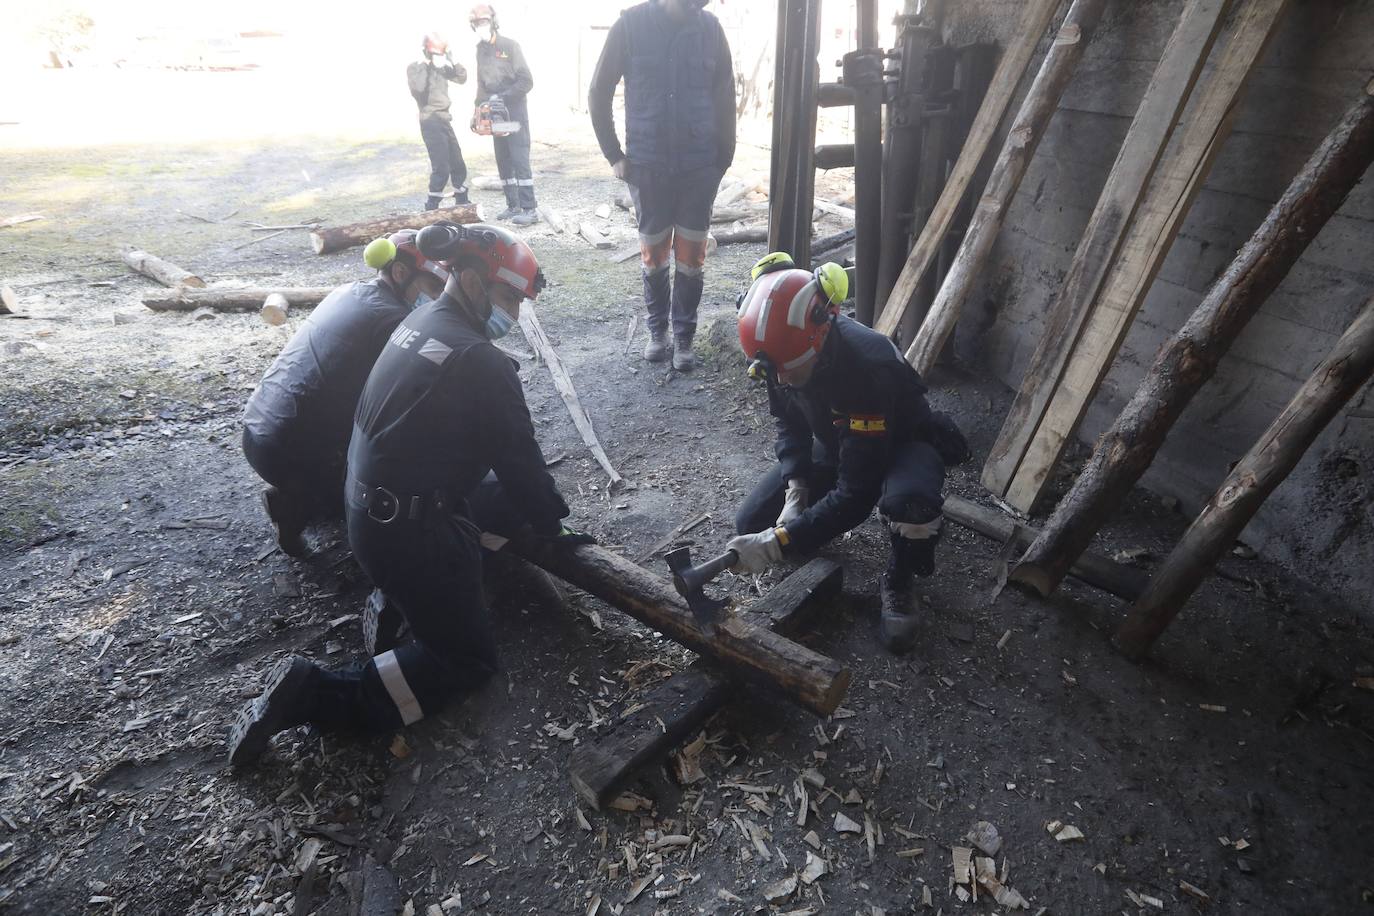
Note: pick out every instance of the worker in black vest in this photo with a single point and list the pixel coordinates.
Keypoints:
(443, 408)
(854, 432)
(428, 79)
(679, 142)
(503, 80)
(298, 420)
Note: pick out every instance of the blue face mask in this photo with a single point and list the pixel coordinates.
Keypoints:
(499, 324)
(421, 301)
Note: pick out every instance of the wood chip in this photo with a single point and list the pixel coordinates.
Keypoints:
(815, 868)
(845, 824)
(1068, 832)
(780, 890)
(911, 853)
(812, 839)
(1209, 707)
(638, 887)
(399, 748)
(1195, 891)
(479, 857)
(985, 836)
(306, 855)
(963, 864)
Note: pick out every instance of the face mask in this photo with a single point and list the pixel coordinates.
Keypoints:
(421, 301)
(486, 31)
(499, 324)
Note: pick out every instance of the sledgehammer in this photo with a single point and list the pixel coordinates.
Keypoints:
(689, 581)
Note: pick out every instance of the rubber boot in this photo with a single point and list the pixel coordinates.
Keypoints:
(288, 520)
(285, 702)
(384, 626)
(684, 360)
(657, 349)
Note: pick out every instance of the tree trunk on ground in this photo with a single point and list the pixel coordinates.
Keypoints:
(741, 646)
(991, 209)
(1346, 369)
(669, 713)
(164, 272)
(234, 300)
(329, 239)
(741, 236)
(1187, 361)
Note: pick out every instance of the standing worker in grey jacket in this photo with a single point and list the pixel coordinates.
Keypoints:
(429, 79)
(503, 79)
(679, 142)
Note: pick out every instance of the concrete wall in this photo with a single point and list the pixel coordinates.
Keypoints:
(1319, 520)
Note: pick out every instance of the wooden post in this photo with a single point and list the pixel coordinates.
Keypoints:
(750, 651)
(1346, 369)
(327, 240)
(1015, 60)
(233, 300)
(1146, 243)
(1187, 361)
(991, 210)
(1145, 141)
(668, 714)
(164, 272)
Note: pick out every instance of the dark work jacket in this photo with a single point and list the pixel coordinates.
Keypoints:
(428, 81)
(305, 402)
(679, 91)
(501, 70)
(861, 401)
(442, 407)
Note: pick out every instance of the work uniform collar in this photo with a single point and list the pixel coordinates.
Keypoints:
(453, 298)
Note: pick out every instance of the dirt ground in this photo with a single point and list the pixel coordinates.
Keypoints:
(141, 601)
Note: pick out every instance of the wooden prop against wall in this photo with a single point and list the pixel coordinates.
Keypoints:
(1145, 141)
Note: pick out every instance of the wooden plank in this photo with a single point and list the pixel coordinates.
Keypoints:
(594, 236)
(1188, 360)
(1034, 21)
(1142, 252)
(1343, 372)
(233, 300)
(534, 333)
(673, 710)
(747, 648)
(1094, 569)
(991, 210)
(1154, 122)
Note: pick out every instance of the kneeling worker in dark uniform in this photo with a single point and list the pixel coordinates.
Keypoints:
(854, 431)
(442, 409)
(297, 423)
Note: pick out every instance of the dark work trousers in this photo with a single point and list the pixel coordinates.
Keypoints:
(910, 495)
(445, 159)
(309, 480)
(432, 572)
(674, 214)
(513, 165)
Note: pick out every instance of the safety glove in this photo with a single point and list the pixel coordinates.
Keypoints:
(756, 552)
(795, 502)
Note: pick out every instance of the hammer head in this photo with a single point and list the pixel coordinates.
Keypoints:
(688, 580)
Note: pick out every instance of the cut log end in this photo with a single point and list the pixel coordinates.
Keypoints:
(274, 309)
(1033, 577)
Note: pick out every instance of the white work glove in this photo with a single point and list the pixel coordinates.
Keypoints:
(794, 504)
(756, 552)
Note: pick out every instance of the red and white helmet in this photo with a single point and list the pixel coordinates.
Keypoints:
(502, 255)
(785, 317)
(381, 253)
(435, 44)
(480, 12)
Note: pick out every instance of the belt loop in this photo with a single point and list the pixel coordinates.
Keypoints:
(415, 506)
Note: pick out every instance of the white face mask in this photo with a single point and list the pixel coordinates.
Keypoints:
(486, 31)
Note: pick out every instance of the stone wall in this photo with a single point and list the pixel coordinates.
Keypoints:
(1319, 522)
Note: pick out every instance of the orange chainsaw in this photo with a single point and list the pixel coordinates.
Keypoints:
(492, 119)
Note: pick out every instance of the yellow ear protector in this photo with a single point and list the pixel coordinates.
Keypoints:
(833, 281)
(775, 260)
(379, 253)
(760, 369)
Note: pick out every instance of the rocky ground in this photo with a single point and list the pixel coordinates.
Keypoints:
(141, 600)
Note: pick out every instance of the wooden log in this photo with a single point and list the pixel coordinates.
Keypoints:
(487, 183)
(1015, 60)
(1190, 358)
(233, 300)
(669, 713)
(741, 236)
(1145, 141)
(20, 219)
(164, 272)
(747, 649)
(593, 235)
(1343, 372)
(9, 301)
(534, 333)
(1041, 102)
(731, 214)
(329, 239)
(1094, 569)
(274, 309)
(554, 219)
(1177, 180)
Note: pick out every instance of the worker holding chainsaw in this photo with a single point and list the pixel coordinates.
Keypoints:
(443, 464)
(298, 420)
(428, 79)
(853, 431)
(503, 80)
(679, 142)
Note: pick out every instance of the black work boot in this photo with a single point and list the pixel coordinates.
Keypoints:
(285, 702)
(384, 626)
(288, 519)
(901, 605)
(460, 197)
